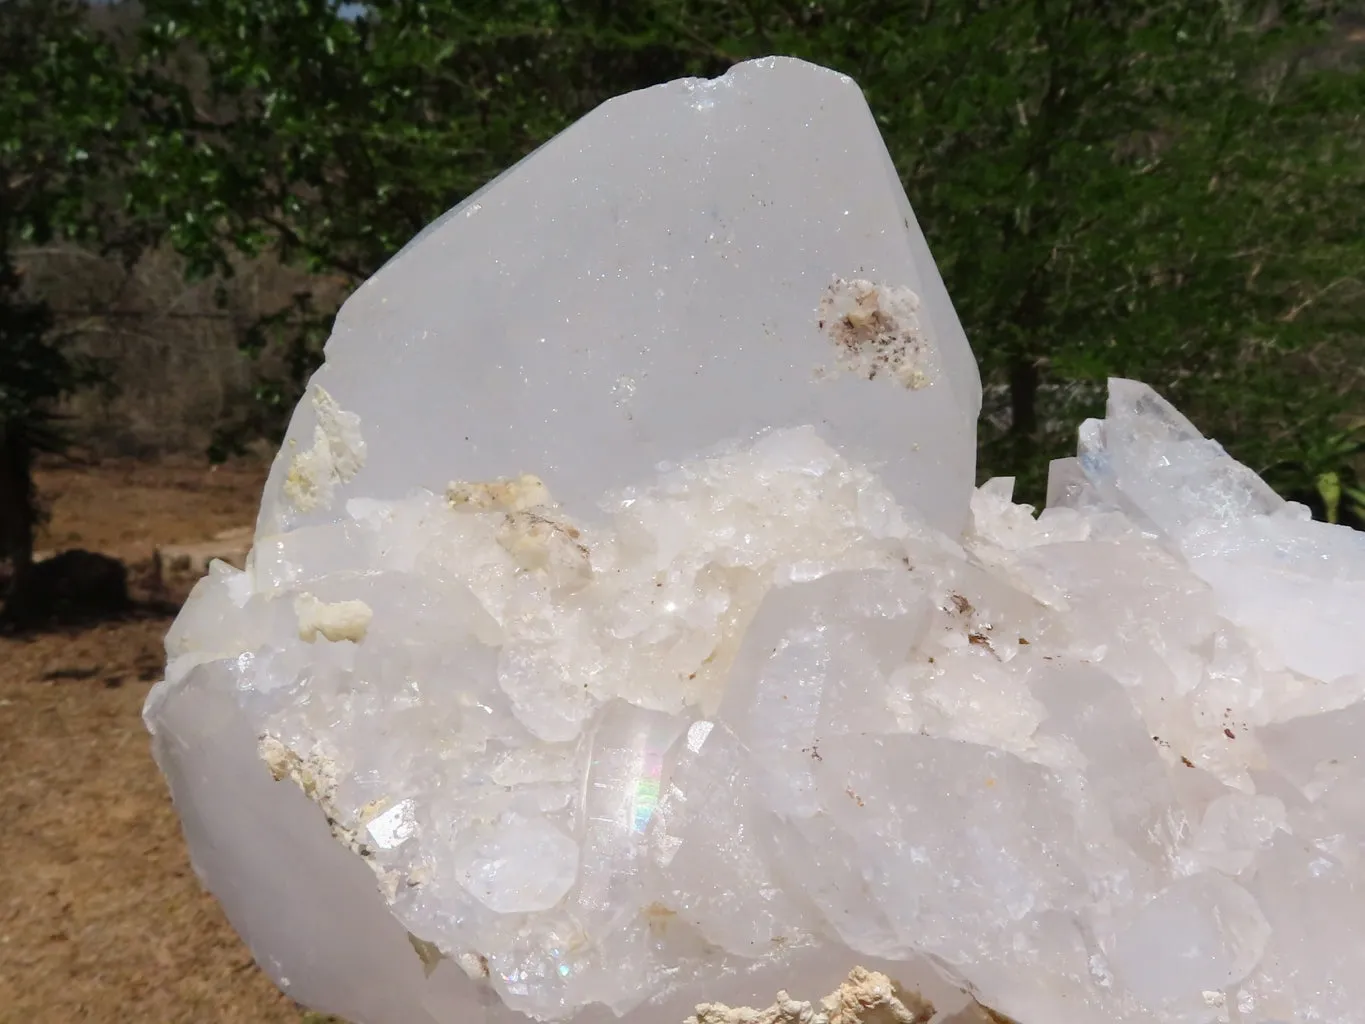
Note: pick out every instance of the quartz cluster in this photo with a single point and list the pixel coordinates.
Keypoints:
(623, 637)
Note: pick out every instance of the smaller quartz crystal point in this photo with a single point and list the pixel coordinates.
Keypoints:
(1238, 535)
(599, 659)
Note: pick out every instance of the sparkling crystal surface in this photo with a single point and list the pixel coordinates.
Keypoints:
(624, 639)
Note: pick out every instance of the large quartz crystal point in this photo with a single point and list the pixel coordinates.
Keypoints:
(686, 266)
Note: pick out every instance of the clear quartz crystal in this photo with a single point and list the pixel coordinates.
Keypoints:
(623, 638)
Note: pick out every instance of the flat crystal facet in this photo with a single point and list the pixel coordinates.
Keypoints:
(644, 287)
(623, 638)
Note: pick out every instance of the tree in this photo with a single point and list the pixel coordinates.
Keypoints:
(1167, 189)
(35, 381)
(62, 103)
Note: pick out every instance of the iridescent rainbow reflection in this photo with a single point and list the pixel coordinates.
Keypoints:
(648, 786)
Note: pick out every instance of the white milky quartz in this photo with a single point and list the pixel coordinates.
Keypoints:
(623, 638)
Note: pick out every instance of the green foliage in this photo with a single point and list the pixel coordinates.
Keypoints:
(63, 105)
(1324, 476)
(337, 140)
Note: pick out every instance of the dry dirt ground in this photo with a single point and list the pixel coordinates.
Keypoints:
(101, 916)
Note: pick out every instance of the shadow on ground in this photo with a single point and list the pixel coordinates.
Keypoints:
(102, 918)
(77, 590)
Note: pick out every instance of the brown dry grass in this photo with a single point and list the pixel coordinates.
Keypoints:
(101, 916)
(124, 508)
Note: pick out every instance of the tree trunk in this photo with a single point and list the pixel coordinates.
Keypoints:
(17, 509)
(1024, 380)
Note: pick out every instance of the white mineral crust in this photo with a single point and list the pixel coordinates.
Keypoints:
(623, 637)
